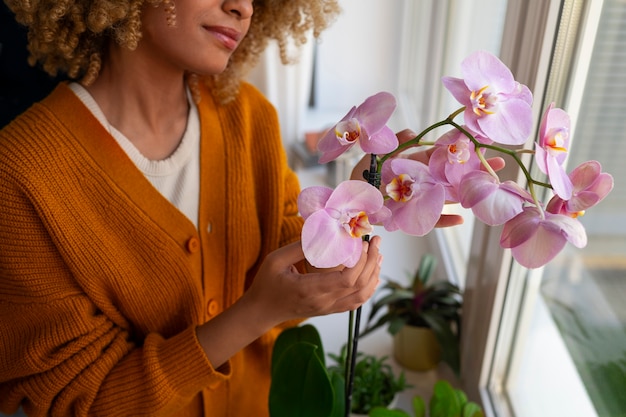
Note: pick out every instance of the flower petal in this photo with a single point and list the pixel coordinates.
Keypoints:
(535, 241)
(382, 142)
(559, 180)
(355, 195)
(482, 69)
(326, 244)
(375, 111)
(420, 215)
(458, 89)
(491, 202)
(329, 146)
(511, 124)
(540, 248)
(312, 199)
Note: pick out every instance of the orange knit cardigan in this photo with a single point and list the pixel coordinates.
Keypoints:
(103, 281)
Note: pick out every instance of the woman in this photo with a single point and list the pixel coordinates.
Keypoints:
(149, 227)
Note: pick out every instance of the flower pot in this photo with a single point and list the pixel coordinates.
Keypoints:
(416, 348)
(391, 405)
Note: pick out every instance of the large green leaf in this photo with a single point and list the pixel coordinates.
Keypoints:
(445, 401)
(289, 337)
(471, 409)
(427, 266)
(300, 385)
(448, 341)
(396, 295)
(419, 406)
(339, 388)
(384, 412)
(395, 323)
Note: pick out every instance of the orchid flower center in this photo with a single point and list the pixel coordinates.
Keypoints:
(400, 188)
(348, 131)
(483, 102)
(459, 152)
(356, 224)
(555, 141)
(577, 214)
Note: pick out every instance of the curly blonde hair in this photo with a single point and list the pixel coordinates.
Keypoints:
(70, 36)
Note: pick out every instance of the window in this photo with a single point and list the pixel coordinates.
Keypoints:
(438, 36)
(554, 339)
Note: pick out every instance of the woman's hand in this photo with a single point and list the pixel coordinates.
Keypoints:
(284, 294)
(280, 293)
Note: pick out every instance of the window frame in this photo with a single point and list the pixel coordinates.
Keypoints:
(543, 42)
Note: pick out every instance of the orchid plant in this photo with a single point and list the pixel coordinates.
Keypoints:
(496, 110)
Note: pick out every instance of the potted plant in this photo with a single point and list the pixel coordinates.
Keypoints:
(424, 318)
(375, 383)
(446, 401)
(303, 386)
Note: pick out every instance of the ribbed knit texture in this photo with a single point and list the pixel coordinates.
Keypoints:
(177, 176)
(101, 287)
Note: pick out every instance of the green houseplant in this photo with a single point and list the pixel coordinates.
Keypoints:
(375, 383)
(446, 401)
(303, 386)
(423, 304)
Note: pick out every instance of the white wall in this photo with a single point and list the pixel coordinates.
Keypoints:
(358, 56)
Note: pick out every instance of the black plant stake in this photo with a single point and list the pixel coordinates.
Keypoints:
(372, 176)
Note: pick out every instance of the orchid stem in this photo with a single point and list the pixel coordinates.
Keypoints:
(373, 178)
(513, 154)
(353, 342)
(349, 372)
(416, 140)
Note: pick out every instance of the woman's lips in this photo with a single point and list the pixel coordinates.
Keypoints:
(229, 37)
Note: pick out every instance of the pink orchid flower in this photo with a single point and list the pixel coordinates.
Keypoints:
(590, 186)
(551, 149)
(535, 238)
(496, 105)
(492, 202)
(453, 157)
(416, 198)
(365, 125)
(336, 220)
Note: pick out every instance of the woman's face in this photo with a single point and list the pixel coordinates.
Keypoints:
(205, 34)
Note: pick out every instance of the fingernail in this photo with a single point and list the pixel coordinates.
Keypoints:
(380, 260)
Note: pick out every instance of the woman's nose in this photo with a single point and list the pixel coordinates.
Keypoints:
(241, 8)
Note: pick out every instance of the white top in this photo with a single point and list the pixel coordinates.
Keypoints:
(176, 177)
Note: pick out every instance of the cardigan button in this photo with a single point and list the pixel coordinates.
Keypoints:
(193, 244)
(212, 308)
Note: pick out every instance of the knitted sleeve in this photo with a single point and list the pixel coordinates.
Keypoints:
(292, 222)
(65, 348)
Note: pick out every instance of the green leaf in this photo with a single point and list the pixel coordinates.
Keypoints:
(444, 402)
(396, 295)
(339, 388)
(419, 406)
(300, 385)
(381, 321)
(289, 337)
(471, 409)
(396, 323)
(461, 396)
(449, 342)
(427, 266)
(384, 412)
